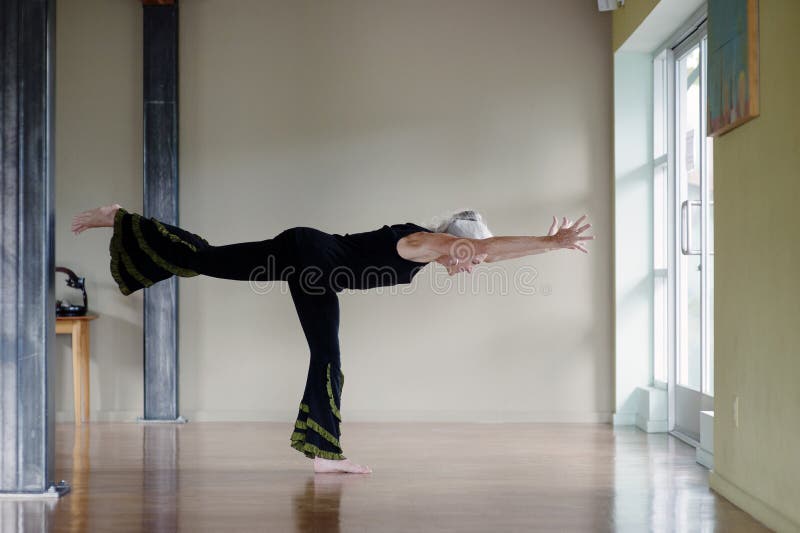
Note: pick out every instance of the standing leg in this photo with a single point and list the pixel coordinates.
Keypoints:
(317, 428)
(317, 432)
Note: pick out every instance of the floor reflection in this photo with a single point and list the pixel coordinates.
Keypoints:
(160, 477)
(317, 506)
(81, 467)
(41, 515)
(657, 482)
(32, 515)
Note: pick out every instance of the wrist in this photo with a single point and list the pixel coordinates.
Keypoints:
(550, 242)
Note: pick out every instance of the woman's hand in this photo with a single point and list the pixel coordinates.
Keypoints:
(569, 235)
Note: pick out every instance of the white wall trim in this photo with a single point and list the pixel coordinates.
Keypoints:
(411, 416)
(760, 510)
(101, 416)
(704, 458)
(705, 452)
(665, 23)
(651, 414)
(264, 415)
(624, 419)
(651, 426)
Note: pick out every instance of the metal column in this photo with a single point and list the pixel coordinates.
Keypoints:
(27, 307)
(161, 202)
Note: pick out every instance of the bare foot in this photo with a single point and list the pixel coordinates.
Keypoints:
(343, 466)
(100, 217)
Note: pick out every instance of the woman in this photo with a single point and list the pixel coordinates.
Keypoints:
(317, 266)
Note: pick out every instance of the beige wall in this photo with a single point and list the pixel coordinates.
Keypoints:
(757, 190)
(346, 116)
(99, 159)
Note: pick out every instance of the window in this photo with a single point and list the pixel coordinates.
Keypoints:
(660, 222)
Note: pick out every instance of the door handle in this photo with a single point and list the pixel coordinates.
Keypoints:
(686, 227)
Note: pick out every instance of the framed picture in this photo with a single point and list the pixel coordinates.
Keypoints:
(732, 64)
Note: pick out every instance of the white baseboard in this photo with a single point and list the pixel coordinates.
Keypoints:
(705, 452)
(704, 458)
(760, 510)
(624, 419)
(101, 416)
(408, 416)
(264, 415)
(651, 426)
(479, 417)
(244, 415)
(651, 409)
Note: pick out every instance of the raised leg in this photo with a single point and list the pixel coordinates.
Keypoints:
(145, 251)
(267, 260)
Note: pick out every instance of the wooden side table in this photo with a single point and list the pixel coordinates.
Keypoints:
(78, 327)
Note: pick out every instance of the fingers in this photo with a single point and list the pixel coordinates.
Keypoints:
(579, 247)
(572, 235)
(568, 223)
(553, 227)
(578, 221)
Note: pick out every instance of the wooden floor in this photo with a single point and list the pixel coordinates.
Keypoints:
(226, 477)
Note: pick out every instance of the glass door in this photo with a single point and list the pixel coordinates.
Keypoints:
(692, 380)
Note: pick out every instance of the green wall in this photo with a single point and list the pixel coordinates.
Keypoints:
(757, 323)
(627, 18)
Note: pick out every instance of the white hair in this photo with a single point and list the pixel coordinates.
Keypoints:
(468, 224)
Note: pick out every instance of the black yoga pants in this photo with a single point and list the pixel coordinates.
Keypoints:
(145, 251)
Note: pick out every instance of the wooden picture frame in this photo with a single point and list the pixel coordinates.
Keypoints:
(733, 86)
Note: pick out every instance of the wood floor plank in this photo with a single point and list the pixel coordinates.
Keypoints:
(205, 476)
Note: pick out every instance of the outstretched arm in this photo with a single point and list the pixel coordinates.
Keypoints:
(566, 236)
(449, 250)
